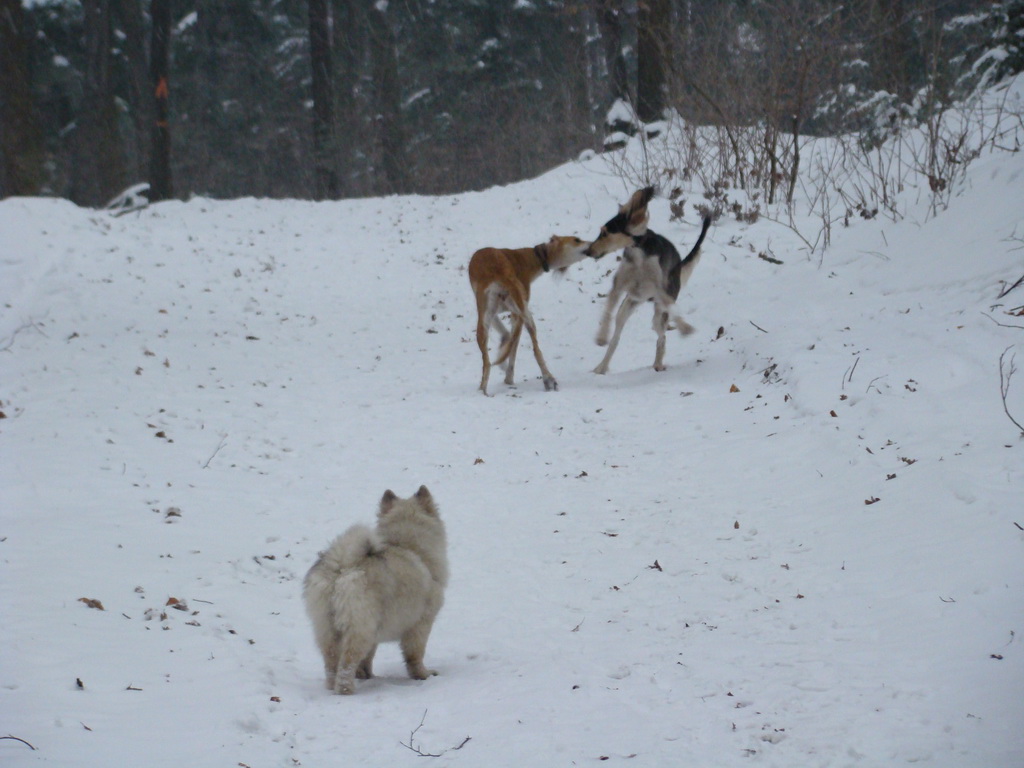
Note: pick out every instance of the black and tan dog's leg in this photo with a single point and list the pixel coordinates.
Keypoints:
(606, 317)
(660, 325)
(669, 311)
(629, 305)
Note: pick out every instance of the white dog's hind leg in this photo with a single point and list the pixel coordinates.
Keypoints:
(414, 646)
(356, 647)
(355, 619)
(365, 669)
(330, 653)
(345, 680)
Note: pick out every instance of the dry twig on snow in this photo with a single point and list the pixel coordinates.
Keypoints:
(15, 738)
(412, 747)
(1004, 384)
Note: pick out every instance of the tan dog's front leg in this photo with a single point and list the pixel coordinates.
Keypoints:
(482, 326)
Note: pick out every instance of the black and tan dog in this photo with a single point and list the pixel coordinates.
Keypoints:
(501, 279)
(651, 270)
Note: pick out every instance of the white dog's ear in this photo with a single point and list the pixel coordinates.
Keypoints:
(387, 501)
(426, 500)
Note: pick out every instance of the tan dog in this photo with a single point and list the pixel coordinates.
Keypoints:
(501, 279)
(378, 586)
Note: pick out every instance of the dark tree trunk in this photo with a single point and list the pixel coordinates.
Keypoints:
(653, 29)
(349, 59)
(21, 144)
(98, 159)
(161, 185)
(324, 144)
(573, 84)
(130, 14)
(610, 21)
(387, 100)
(894, 33)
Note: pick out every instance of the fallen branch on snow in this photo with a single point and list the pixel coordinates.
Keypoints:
(1004, 384)
(411, 746)
(15, 738)
(215, 452)
(1001, 325)
(1007, 287)
(9, 343)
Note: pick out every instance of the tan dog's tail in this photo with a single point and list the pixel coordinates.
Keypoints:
(503, 351)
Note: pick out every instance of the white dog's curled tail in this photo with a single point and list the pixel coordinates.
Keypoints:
(351, 548)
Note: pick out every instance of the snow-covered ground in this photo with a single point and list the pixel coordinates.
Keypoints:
(801, 545)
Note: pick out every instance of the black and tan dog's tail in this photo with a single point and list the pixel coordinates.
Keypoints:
(680, 273)
(700, 240)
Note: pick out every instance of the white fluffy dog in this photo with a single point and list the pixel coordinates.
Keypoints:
(378, 586)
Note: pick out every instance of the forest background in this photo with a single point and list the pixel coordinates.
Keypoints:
(327, 99)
